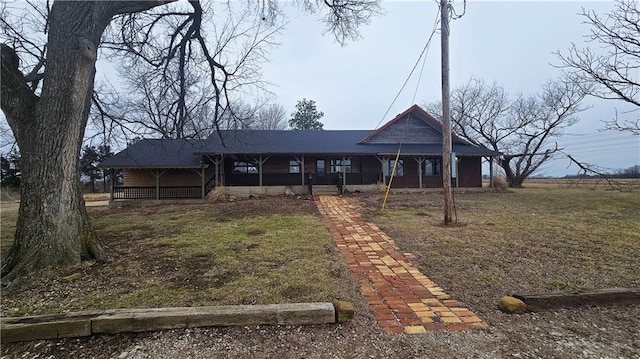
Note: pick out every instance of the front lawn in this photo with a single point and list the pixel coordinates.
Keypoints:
(273, 250)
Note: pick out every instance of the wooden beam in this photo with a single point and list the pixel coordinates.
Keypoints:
(113, 178)
(491, 183)
(202, 178)
(383, 161)
(261, 160)
(554, 300)
(301, 163)
(216, 162)
(420, 161)
(157, 174)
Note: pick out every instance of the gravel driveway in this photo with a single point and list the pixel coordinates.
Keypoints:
(612, 332)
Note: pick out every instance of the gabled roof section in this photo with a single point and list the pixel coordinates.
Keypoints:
(413, 126)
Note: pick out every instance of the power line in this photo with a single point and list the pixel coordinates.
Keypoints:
(599, 139)
(424, 50)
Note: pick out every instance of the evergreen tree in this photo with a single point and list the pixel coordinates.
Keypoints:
(10, 170)
(306, 116)
(91, 157)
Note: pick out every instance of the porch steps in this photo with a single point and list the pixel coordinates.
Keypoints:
(324, 190)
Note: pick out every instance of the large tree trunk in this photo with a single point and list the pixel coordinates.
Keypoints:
(514, 180)
(53, 227)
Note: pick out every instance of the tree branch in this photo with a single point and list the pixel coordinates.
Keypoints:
(18, 101)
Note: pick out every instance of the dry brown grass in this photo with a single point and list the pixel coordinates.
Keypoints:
(246, 252)
(535, 239)
(217, 195)
(500, 182)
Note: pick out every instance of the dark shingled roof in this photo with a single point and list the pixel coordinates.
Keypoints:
(157, 154)
(320, 142)
(187, 153)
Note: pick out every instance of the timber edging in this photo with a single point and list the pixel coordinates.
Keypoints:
(596, 297)
(80, 324)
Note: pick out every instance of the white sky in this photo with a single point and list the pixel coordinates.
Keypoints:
(508, 42)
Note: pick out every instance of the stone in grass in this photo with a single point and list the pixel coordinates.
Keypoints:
(71, 277)
(344, 311)
(512, 305)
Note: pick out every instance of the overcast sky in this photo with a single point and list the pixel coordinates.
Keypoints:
(511, 42)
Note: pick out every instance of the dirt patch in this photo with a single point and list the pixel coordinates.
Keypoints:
(256, 232)
(297, 291)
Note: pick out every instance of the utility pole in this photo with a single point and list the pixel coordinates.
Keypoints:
(446, 113)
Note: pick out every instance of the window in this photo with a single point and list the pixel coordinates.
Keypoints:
(432, 167)
(399, 168)
(336, 166)
(294, 166)
(245, 167)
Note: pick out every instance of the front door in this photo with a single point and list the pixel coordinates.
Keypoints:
(321, 172)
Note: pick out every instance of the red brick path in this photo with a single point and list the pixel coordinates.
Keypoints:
(402, 299)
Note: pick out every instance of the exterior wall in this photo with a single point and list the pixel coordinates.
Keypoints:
(469, 175)
(170, 177)
(364, 170)
(470, 172)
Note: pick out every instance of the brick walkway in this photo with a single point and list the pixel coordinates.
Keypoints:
(402, 299)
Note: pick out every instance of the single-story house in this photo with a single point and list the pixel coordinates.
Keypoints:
(270, 162)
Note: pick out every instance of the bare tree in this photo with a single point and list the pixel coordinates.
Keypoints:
(271, 117)
(150, 108)
(240, 116)
(614, 74)
(625, 125)
(46, 97)
(589, 171)
(179, 103)
(522, 127)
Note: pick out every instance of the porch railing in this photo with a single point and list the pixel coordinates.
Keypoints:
(164, 192)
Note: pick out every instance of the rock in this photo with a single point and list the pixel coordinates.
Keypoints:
(71, 277)
(512, 305)
(344, 311)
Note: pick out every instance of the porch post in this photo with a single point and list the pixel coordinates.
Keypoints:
(301, 162)
(202, 177)
(420, 161)
(261, 161)
(302, 171)
(216, 164)
(217, 172)
(157, 174)
(344, 171)
(458, 173)
(382, 163)
(260, 170)
(113, 178)
(491, 184)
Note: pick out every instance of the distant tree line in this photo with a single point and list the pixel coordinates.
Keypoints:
(630, 172)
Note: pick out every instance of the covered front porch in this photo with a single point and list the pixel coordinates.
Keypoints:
(162, 184)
